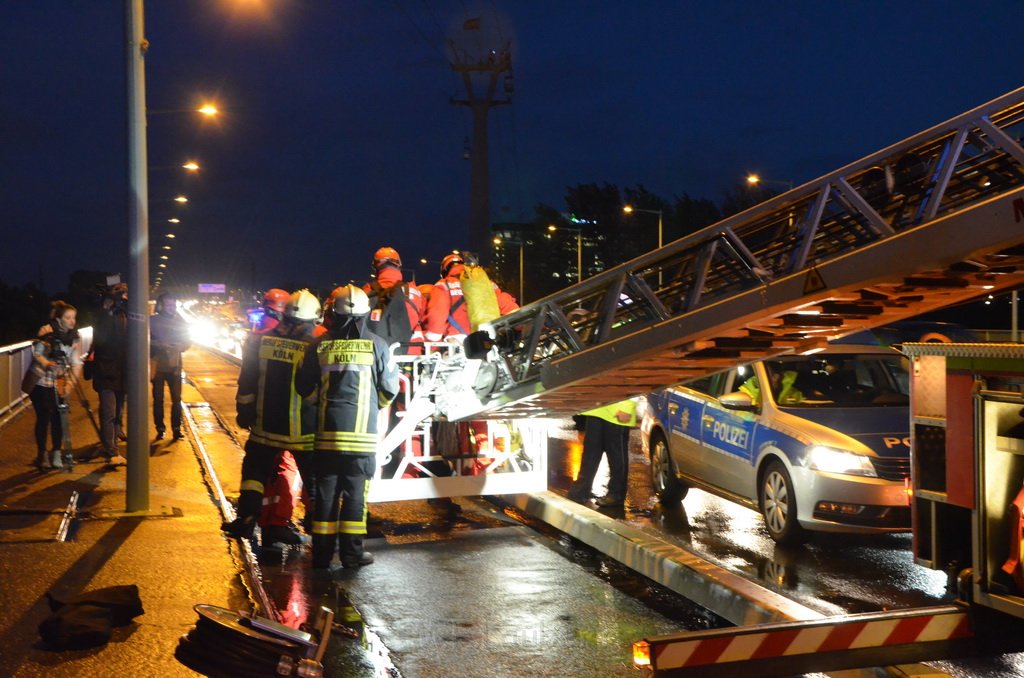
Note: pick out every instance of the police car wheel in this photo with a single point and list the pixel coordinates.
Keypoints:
(666, 485)
(778, 504)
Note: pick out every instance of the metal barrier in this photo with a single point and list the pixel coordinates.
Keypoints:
(14, 362)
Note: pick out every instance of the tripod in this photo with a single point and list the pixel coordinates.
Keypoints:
(64, 408)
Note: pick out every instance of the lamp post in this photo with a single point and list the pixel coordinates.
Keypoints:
(579, 247)
(497, 243)
(629, 209)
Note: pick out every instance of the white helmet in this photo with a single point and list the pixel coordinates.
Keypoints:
(303, 306)
(349, 300)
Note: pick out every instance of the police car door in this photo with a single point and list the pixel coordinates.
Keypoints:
(685, 406)
(727, 437)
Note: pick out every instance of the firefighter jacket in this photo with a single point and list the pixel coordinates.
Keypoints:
(267, 402)
(416, 303)
(446, 311)
(353, 376)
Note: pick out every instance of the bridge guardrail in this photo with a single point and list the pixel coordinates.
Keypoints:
(14, 362)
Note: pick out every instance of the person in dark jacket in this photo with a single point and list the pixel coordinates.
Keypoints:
(352, 375)
(110, 358)
(168, 339)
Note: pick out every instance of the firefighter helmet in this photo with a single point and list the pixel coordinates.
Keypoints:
(276, 300)
(349, 300)
(386, 256)
(449, 261)
(303, 306)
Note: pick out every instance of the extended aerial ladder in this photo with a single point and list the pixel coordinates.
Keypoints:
(929, 222)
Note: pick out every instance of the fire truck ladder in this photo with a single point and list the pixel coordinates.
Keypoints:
(932, 221)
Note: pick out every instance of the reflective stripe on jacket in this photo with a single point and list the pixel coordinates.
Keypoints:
(354, 378)
(267, 379)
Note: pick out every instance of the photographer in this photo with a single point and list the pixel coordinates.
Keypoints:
(56, 362)
(110, 358)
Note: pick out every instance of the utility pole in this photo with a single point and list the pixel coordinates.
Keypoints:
(137, 375)
(487, 69)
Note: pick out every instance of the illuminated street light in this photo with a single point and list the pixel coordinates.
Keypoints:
(209, 110)
(181, 199)
(756, 180)
(170, 235)
(498, 242)
(191, 166)
(162, 265)
(167, 247)
(579, 247)
(629, 209)
(174, 220)
(164, 257)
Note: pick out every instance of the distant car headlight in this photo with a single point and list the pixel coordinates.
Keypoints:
(831, 460)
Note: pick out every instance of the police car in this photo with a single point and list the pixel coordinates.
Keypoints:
(817, 442)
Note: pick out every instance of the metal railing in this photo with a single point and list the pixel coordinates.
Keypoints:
(14, 362)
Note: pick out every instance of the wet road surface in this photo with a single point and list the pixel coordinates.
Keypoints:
(406, 621)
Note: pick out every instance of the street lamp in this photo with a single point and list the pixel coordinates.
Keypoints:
(756, 180)
(629, 209)
(174, 220)
(579, 247)
(498, 242)
(181, 199)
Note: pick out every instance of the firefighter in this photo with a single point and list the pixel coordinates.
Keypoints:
(276, 416)
(352, 376)
(275, 301)
(389, 284)
(396, 313)
(447, 315)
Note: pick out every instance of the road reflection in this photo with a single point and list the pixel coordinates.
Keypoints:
(831, 573)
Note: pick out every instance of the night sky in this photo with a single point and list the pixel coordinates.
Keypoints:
(338, 135)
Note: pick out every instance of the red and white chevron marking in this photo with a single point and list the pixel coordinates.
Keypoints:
(843, 635)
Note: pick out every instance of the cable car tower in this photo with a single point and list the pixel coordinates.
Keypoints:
(481, 74)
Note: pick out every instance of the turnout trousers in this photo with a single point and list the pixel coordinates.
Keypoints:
(339, 518)
(260, 468)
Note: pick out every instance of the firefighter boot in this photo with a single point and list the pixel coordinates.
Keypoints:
(241, 527)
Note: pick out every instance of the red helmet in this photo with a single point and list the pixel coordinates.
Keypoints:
(449, 261)
(386, 256)
(276, 300)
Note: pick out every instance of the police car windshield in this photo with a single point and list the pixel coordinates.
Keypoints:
(839, 380)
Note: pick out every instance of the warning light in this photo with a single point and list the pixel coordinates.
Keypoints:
(641, 653)
(908, 490)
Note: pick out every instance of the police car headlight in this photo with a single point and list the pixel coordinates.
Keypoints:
(831, 460)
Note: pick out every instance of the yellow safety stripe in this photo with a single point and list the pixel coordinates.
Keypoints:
(352, 527)
(348, 448)
(247, 399)
(252, 486)
(347, 436)
(303, 443)
(325, 527)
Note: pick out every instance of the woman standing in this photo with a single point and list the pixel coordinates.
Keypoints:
(57, 362)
